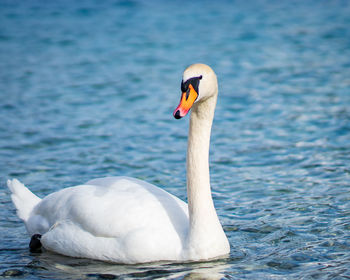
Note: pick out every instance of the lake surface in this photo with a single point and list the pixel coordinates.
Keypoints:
(87, 90)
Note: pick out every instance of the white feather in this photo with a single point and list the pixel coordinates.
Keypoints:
(23, 199)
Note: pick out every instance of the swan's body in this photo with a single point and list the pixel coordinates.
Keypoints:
(125, 220)
(116, 219)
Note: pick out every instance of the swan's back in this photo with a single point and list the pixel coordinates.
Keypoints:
(115, 213)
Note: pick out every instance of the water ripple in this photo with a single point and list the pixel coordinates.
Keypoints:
(87, 90)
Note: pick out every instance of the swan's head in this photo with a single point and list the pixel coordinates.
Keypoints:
(198, 83)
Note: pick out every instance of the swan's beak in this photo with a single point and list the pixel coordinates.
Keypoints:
(186, 102)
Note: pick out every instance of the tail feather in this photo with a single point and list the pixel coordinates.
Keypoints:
(23, 199)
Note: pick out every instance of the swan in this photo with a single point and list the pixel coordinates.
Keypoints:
(126, 220)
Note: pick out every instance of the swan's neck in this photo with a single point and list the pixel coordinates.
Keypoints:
(205, 229)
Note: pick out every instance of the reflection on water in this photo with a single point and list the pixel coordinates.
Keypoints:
(88, 89)
(82, 268)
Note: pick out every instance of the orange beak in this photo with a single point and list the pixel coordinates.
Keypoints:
(186, 102)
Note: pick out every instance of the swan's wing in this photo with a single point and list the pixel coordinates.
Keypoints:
(136, 204)
(122, 204)
(125, 213)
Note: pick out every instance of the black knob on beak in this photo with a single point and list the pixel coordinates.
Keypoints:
(177, 115)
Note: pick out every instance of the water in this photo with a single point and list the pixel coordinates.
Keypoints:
(87, 90)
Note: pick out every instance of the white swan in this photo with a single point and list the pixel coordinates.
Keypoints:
(125, 220)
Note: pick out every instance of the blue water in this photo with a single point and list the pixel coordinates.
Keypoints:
(87, 89)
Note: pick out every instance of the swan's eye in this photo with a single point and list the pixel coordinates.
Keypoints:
(188, 92)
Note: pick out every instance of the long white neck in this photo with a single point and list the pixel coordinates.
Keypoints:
(206, 236)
